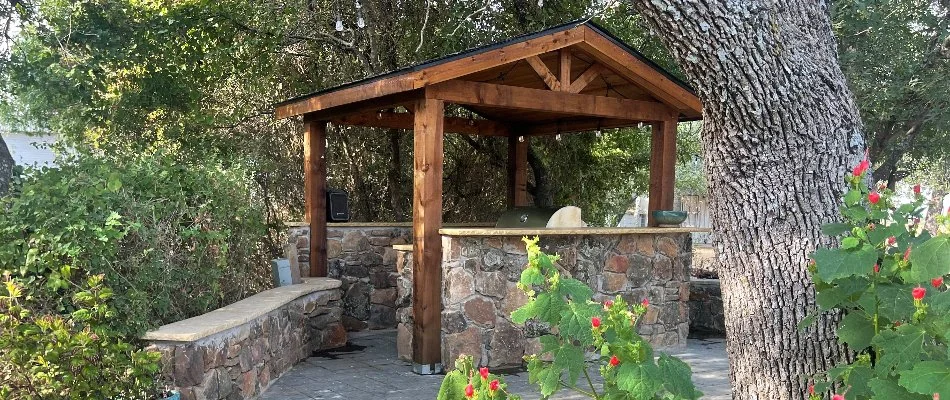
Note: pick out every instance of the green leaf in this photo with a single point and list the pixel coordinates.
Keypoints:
(544, 375)
(574, 289)
(575, 322)
(833, 263)
(899, 349)
(850, 242)
(858, 380)
(640, 380)
(852, 197)
(844, 289)
(931, 259)
(856, 330)
(453, 386)
(928, 377)
(543, 307)
(114, 182)
(807, 321)
(531, 276)
(895, 302)
(886, 389)
(835, 229)
(676, 377)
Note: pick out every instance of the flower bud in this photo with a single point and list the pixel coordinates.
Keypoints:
(919, 293)
(483, 371)
(874, 197)
(614, 361)
(469, 390)
(937, 282)
(595, 322)
(493, 386)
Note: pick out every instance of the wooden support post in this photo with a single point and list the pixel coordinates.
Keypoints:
(517, 171)
(662, 167)
(565, 68)
(315, 193)
(427, 243)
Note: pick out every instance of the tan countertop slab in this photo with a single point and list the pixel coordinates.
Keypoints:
(402, 247)
(564, 231)
(238, 313)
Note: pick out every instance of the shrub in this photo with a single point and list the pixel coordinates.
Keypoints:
(462, 383)
(887, 279)
(172, 239)
(627, 364)
(73, 357)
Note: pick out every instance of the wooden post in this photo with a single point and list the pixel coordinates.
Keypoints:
(315, 193)
(565, 69)
(662, 167)
(427, 243)
(517, 171)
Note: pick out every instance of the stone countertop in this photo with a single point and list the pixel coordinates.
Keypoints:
(564, 231)
(402, 247)
(238, 313)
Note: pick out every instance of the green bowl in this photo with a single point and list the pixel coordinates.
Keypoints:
(674, 218)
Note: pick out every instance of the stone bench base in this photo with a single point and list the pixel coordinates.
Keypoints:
(236, 351)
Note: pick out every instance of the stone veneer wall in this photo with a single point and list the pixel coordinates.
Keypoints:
(706, 316)
(363, 259)
(240, 362)
(479, 290)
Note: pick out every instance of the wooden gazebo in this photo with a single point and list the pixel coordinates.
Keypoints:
(570, 78)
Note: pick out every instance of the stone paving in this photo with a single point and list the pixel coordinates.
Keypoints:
(372, 371)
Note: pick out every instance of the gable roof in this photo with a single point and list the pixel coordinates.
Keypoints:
(625, 67)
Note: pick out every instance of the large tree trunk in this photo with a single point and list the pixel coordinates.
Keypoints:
(6, 167)
(780, 128)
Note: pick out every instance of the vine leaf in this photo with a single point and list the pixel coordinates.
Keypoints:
(856, 330)
(899, 349)
(931, 259)
(834, 263)
(928, 377)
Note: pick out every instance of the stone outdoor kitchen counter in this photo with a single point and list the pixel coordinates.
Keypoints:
(481, 266)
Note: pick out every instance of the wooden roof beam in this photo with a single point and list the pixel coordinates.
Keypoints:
(393, 120)
(585, 78)
(570, 104)
(642, 74)
(552, 128)
(546, 75)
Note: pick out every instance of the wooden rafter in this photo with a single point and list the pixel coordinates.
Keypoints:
(585, 78)
(519, 98)
(545, 73)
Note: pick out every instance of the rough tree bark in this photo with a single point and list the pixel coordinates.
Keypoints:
(780, 129)
(6, 167)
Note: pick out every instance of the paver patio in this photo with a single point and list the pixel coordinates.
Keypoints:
(374, 372)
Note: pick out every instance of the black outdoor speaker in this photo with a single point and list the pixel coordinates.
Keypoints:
(338, 206)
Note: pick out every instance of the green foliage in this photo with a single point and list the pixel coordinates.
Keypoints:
(896, 56)
(174, 240)
(78, 356)
(457, 381)
(582, 325)
(884, 258)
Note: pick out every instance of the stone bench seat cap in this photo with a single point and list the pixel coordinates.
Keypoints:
(238, 313)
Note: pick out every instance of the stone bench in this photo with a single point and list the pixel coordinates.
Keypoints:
(234, 352)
